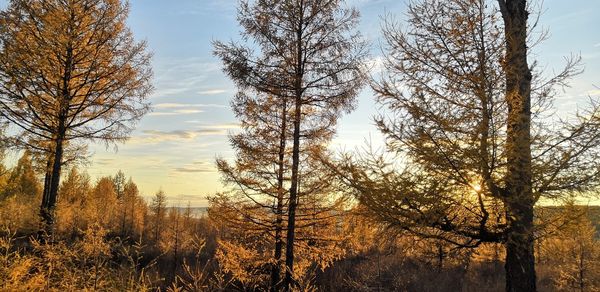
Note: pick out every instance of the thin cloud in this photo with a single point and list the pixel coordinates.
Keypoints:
(196, 167)
(157, 136)
(224, 126)
(176, 112)
(593, 92)
(187, 105)
(192, 170)
(212, 91)
(105, 161)
(184, 76)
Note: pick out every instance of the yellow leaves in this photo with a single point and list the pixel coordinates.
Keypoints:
(21, 270)
(94, 244)
(242, 262)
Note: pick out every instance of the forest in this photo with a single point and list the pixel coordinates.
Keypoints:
(482, 181)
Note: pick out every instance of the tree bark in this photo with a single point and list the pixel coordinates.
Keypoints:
(276, 270)
(293, 202)
(519, 200)
(48, 206)
(55, 159)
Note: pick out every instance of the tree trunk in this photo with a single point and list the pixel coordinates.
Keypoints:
(293, 201)
(50, 193)
(276, 269)
(289, 252)
(52, 179)
(519, 200)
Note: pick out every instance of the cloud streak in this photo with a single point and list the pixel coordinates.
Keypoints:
(159, 136)
(175, 112)
(196, 167)
(173, 105)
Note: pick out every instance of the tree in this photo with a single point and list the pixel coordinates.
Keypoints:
(308, 54)
(158, 209)
(101, 204)
(71, 212)
(18, 194)
(129, 204)
(176, 239)
(573, 253)
(518, 198)
(119, 181)
(259, 178)
(470, 163)
(70, 71)
(260, 173)
(23, 181)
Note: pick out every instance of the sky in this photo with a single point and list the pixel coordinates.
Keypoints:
(175, 146)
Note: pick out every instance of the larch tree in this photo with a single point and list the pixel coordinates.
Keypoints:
(309, 53)
(258, 183)
(469, 134)
(518, 196)
(129, 203)
(260, 173)
(572, 253)
(70, 71)
(119, 181)
(22, 181)
(74, 191)
(158, 207)
(102, 204)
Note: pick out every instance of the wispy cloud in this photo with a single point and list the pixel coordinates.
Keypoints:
(225, 126)
(105, 161)
(177, 135)
(158, 136)
(172, 109)
(196, 167)
(176, 112)
(212, 91)
(185, 76)
(593, 92)
(186, 105)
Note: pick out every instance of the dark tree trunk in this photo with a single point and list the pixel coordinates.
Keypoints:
(51, 182)
(519, 200)
(293, 202)
(276, 270)
(52, 179)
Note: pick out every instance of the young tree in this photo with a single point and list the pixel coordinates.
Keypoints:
(310, 55)
(129, 203)
(102, 204)
(74, 191)
(18, 195)
(468, 170)
(572, 253)
(70, 71)
(119, 182)
(22, 181)
(159, 210)
(261, 171)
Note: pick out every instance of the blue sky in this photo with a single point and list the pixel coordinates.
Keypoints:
(175, 146)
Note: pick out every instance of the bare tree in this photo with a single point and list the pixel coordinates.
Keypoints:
(308, 54)
(70, 71)
(474, 143)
